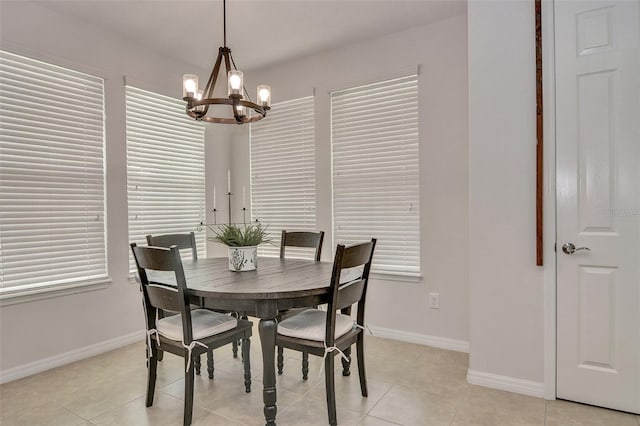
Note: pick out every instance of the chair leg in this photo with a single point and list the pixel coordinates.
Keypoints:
(234, 345)
(210, 363)
(188, 393)
(361, 370)
(305, 365)
(160, 353)
(246, 363)
(346, 364)
(329, 378)
(197, 364)
(280, 359)
(152, 368)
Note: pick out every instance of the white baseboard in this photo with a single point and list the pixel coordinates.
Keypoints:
(421, 339)
(39, 366)
(505, 383)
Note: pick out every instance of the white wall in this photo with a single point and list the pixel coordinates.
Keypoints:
(506, 288)
(440, 50)
(34, 334)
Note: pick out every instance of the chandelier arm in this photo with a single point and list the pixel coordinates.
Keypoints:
(227, 61)
(211, 84)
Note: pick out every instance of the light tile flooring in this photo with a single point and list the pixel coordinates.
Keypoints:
(408, 385)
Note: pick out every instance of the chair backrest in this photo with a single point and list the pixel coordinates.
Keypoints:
(182, 241)
(165, 297)
(343, 294)
(302, 239)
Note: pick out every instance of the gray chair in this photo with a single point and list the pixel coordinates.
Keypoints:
(301, 239)
(182, 241)
(188, 333)
(331, 332)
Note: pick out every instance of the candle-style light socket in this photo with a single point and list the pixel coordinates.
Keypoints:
(199, 108)
(235, 82)
(189, 86)
(264, 95)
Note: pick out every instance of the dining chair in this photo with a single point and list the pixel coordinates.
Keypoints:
(331, 332)
(300, 239)
(182, 241)
(188, 333)
(186, 241)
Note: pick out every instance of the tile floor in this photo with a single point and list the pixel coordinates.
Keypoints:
(408, 385)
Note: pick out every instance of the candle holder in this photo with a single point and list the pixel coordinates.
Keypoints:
(200, 227)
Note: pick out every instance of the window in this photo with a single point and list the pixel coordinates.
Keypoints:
(165, 168)
(283, 183)
(52, 208)
(374, 134)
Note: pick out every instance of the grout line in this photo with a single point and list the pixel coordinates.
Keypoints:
(384, 420)
(375, 404)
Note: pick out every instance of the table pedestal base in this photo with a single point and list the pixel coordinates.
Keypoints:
(268, 329)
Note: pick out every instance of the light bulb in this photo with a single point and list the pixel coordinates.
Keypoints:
(198, 96)
(264, 95)
(240, 110)
(189, 85)
(234, 80)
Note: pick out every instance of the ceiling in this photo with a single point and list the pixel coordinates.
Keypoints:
(259, 32)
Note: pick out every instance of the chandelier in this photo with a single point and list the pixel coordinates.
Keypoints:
(199, 102)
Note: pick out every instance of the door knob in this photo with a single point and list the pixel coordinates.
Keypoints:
(569, 248)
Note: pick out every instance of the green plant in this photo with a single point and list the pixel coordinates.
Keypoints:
(241, 236)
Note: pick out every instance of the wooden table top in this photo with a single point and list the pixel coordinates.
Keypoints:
(274, 279)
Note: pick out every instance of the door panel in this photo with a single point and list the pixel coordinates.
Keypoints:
(598, 202)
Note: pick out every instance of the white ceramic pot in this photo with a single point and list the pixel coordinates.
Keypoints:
(243, 258)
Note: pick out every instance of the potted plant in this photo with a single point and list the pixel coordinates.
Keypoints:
(242, 243)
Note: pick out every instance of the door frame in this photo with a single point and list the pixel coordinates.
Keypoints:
(549, 197)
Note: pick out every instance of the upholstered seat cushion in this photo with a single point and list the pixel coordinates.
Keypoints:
(204, 323)
(311, 325)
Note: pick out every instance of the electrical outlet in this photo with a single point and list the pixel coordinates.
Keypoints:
(434, 300)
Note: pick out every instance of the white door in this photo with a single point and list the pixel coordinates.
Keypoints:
(598, 202)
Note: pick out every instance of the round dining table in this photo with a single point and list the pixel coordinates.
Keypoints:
(276, 285)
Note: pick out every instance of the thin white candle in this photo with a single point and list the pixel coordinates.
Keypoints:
(229, 181)
(243, 196)
(214, 196)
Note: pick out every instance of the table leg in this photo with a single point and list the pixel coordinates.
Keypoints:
(268, 329)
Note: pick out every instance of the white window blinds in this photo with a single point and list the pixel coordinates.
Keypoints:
(283, 183)
(52, 209)
(374, 133)
(165, 168)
